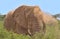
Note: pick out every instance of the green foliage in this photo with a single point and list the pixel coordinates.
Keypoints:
(52, 32)
(2, 17)
(56, 15)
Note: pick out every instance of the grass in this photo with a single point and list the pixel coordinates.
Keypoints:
(52, 32)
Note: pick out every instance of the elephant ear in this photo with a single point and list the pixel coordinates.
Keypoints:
(20, 19)
(8, 21)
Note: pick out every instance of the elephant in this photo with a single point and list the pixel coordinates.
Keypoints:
(26, 20)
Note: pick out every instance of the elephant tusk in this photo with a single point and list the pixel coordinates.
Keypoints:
(29, 31)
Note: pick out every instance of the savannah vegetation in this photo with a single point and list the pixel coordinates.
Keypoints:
(52, 32)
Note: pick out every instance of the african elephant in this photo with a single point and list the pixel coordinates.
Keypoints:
(25, 20)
